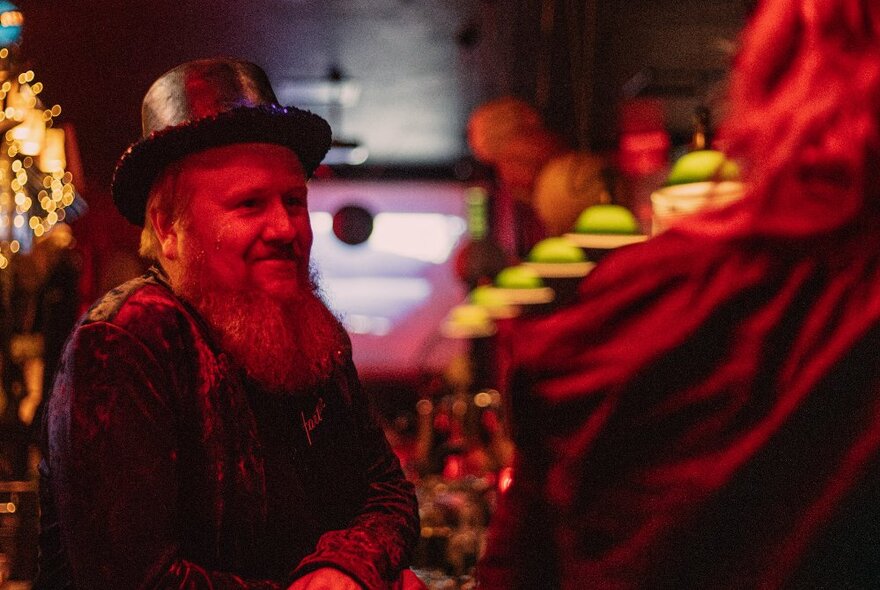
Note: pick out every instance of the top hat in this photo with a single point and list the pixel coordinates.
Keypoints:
(209, 103)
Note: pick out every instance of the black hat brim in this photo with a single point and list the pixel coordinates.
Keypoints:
(305, 133)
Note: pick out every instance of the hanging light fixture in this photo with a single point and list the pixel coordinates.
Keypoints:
(36, 190)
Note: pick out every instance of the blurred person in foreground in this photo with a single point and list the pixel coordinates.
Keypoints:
(207, 427)
(708, 414)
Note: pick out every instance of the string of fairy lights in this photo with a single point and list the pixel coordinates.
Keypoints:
(36, 190)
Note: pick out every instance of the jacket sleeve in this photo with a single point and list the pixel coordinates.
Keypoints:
(381, 538)
(113, 464)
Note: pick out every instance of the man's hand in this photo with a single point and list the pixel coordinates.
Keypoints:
(326, 578)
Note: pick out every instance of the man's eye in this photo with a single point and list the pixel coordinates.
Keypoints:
(294, 201)
(248, 203)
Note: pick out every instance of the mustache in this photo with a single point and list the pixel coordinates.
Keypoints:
(277, 252)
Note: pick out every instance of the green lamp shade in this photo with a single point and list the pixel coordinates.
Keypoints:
(606, 219)
(556, 250)
(487, 296)
(469, 315)
(701, 166)
(518, 277)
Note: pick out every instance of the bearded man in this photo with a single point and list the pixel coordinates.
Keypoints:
(207, 428)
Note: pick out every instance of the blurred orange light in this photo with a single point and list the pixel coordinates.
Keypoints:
(505, 479)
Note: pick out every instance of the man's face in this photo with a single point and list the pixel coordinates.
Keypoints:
(247, 223)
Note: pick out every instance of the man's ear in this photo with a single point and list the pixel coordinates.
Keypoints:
(166, 232)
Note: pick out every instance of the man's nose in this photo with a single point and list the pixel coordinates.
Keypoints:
(279, 225)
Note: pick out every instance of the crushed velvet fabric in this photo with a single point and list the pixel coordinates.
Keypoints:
(164, 468)
(706, 415)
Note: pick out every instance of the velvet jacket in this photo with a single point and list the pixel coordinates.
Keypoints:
(706, 415)
(165, 468)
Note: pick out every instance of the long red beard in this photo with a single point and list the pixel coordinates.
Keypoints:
(289, 345)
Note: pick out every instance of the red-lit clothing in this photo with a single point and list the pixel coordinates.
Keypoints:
(707, 415)
(165, 470)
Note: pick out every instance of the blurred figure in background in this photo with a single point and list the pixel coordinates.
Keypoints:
(567, 185)
(708, 414)
(509, 135)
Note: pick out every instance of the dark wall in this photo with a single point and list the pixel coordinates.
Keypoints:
(682, 46)
(577, 58)
(418, 79)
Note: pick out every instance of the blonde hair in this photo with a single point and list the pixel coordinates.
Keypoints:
(804, 117)
(165, 195)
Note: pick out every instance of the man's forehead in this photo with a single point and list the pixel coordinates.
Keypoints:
(244, 154)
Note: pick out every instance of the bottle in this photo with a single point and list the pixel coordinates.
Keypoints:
(702, 138)
(481, 258)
